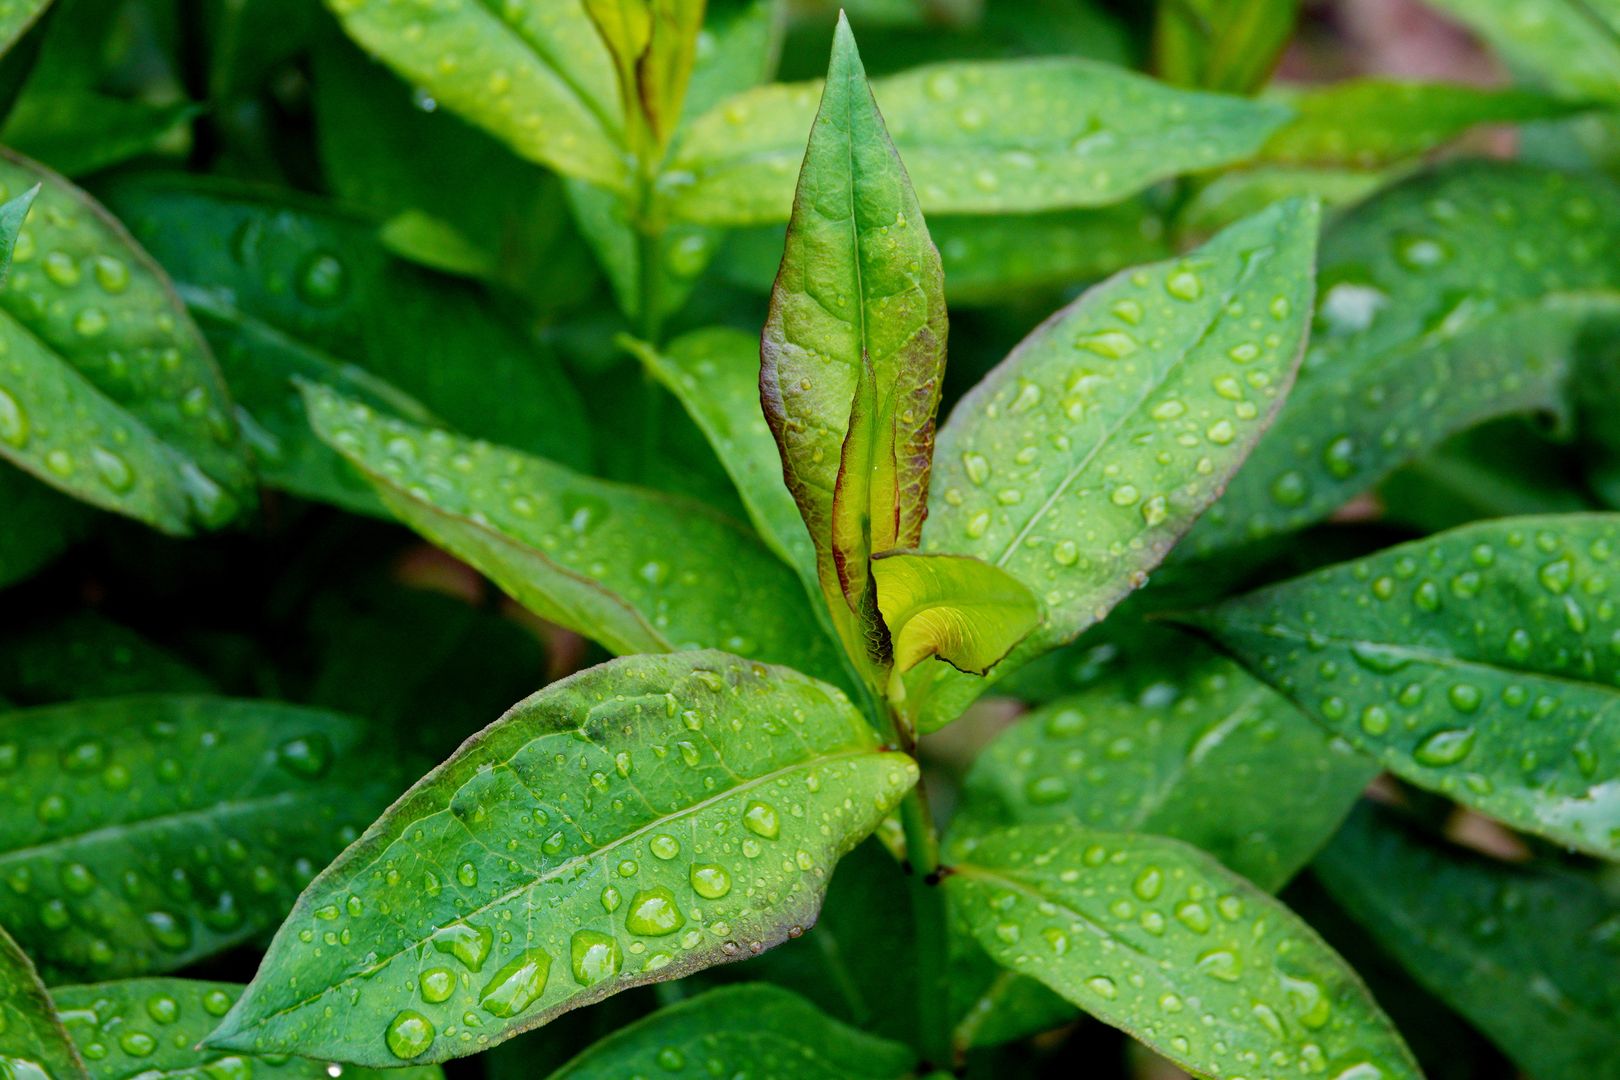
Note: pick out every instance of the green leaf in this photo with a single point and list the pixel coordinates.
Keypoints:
(1154, 937)
(978, 138)
(85, 655)
(1371, 123)
(151, 1027)
(853, 352)
(1240, 193)
(653, 44)
(1183, 743)
(638, 821)
(635, 569)
(748, 1029)
(1453, 298)
(16, 18)
(108, 391)
(1478, 663)
(1572, 45)
(1079, 461)
(540, 79)
(953, 607)
(12, 215)
(715, 375)
(32, 1042)
(1526, 953)
(141, 834)
(738, 50)
(681, 252)
(1230, 45)
(40, 523)
(77, 131)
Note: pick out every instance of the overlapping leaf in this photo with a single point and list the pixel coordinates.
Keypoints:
(82, 655)
(1423, 329)
(16, 16)
(952, 607)
(978, 137)
(643, 819)
(1573, 45)
(1479, 663)
(41, 522)
(32, 1042)
(751, 1029)
(140, 834)
(1155, 937)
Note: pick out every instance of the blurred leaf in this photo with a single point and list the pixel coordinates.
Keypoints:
(953, 608)
(990, 137)
(1477, 663)
(1079, 461)
(83, 132)
(16, 18)
(538, 79)
(1230, 45)
(32, 1041)
(681, 252)
(144, 833)
(653, 44)
(1239, 193)
(39, 523)
(12, 215)
(1527, 953)
(771, 762)
(1458, 296)
(109, 392)
(635, 569)
(150, 1027)
(82, 655)
(1572, 45)
(737, 49)
(743, 1029)
(1154, 937)
(249, 39)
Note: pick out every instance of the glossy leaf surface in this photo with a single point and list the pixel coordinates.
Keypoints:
(853, 351)
(1478, 663)
(12, 215)
(635, 569)
(952, 607)
(107, 390)
(1527, 953)
(140, 834)
(151, 1027)
(32, 1042)
(1421, 332)
(756, 1029)
(1573, 45)
(978, 138)
(1155, 937)
(540, 79)
(643, 819)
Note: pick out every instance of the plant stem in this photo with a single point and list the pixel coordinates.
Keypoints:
(928, 916)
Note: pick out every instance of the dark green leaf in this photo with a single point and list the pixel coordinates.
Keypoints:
(78, 132)
(1155, 937)
(754, 1030)
(1525, 952)
(32, 1042)
(638, 821)
(40, 522)
(1227, 45)
(1480, 663)
(141, 834)
(16, 18)
(85, 655)
(12, 215)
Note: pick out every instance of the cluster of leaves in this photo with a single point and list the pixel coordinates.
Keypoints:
(1343, 385)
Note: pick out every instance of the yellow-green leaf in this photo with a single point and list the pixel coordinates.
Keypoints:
(963, 610)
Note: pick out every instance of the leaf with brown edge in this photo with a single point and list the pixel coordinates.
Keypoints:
(955, 607)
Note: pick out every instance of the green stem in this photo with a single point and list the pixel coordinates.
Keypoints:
(928, 917)
(649, 319)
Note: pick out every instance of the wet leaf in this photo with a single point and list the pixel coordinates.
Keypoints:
(853, 351)
(1573, 45)
(748, 1029)
(635, 569)
(653, 44)
(1526, 953)
(107, 390)
(32, 1042)
(540, 80)
(151, 1027)
(951, 607)
(978, 138)
(1155, 937)
(1423, 330)
(15, 19)
(77, 132)
(83, 655)
(141, 834)
(1479, 663)
(1240, 193)
(12, 215)
(1079, 461)
(643, 819)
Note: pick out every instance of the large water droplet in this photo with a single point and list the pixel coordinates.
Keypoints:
(409, 1035)
(516, 985)
(594, 956)
(710, 882)
(654, 913)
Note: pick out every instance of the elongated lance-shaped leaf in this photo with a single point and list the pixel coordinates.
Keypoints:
(536, 76)
(634, 569)
(15, 19)
(107, 390)
(12, 215)
(954, 607)
(638, 821)
(140, 834)
(32, 1042)
(1155, 937)
(1422, 331)
(1526, 953)
(1079, 461)
(715, 374)
(1230, 45)
(653, 43)
(990, 137)
(753, 1029)
(1479, 663)
(82, 655)
(1370, 123)
(1572, 45)
(151, 1027)
(854, 350)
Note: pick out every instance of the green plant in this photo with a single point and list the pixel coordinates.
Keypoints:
(517, 311)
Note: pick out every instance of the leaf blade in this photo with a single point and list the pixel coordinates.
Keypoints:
(32, 1041)
(955, 608)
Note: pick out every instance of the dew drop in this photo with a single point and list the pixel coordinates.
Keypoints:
(654, 913)
(594, 956)
(409, 1035)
